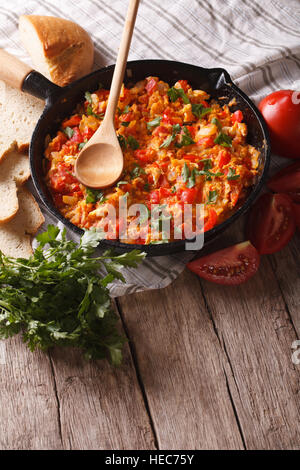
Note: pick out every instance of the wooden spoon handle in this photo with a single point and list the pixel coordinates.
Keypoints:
(121, 61)
(12, 70)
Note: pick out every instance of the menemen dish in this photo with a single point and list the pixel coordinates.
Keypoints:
(180, 147)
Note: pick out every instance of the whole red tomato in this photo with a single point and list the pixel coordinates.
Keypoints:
(281, 111)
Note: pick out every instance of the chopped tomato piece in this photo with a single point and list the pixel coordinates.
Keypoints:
(88, 133)
(205, 104)
(237, 116)
(125, 93)
(143, 155)
(151, 86)
(167, 116)
(183, 84)
(164, 192)
(126, 117)
(189, 195)
(212, 220)
(160, 130)
(206, 142)
(271, 224)
(154, 196)
(191, 157)
(192, 130)
(231, 266)
(77, 138)
(224, 158)
(72, 122)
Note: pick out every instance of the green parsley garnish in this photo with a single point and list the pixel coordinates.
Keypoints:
(199, 110)
(175, 93)
(212, 197)
(125, 123)
(231, 175)
(58, 298)
(175, 130)
(132, 142)
(186, 139)
(217, 123)
(90, 112)
(223, 139)
(154, 123)
(69, 132)
(137, 171)
(121, 182)
(147, 187)
(93, 196)
(122, 142)
(185, 173)
(81, 145)
(88, 97)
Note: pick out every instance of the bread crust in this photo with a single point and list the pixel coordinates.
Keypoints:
(10, 182)
(67, 47)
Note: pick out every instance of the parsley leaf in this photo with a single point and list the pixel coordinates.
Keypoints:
(94, 195)
(175, 130)
(217, 123)
(212, 197)
(88, 97)
(57, 297)
(199, 110)
(186, 138)
(137, 171)
(175, 93)
(223, 139)
(231, 175)
(185, 173)
(154, 123)
(125, 123)
(132, 142)
(69, 132)
(122, 142)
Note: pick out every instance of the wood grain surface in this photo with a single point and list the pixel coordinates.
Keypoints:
(206, 367)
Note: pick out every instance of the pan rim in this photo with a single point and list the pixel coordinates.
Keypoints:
(175, 246)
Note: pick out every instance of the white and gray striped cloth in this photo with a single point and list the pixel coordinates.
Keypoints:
(257, 42)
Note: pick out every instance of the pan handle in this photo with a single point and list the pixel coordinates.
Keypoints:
(19, 75)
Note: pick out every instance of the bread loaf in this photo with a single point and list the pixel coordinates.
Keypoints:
(60, 49)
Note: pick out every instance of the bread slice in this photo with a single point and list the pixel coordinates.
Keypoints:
(60, 49)
(19, 114)
(14, 171)
(16, 235)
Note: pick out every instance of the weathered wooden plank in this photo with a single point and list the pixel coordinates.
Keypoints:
(181, 363)
(100, 407)
(28, 404)
(257, 334)
(286, 266)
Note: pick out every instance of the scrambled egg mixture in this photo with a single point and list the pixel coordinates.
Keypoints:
(179, 147)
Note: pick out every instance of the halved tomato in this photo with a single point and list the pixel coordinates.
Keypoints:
(271, 224)
(287, 181)
(231, 266)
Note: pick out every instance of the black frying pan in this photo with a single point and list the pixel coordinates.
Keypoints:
(60, 102)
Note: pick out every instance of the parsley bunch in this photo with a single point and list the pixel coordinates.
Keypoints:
(58, 297)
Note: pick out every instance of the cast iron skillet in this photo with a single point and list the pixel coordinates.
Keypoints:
(60, 102)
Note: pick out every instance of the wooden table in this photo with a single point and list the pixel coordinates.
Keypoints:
(206, 367)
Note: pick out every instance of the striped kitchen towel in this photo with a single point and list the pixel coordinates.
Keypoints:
(258, 43)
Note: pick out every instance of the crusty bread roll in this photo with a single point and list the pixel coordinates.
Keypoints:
(60, 49)
(19, 114)
(15, 235)
(14, 171)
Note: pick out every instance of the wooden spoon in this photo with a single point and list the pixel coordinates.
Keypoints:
(100, 163)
